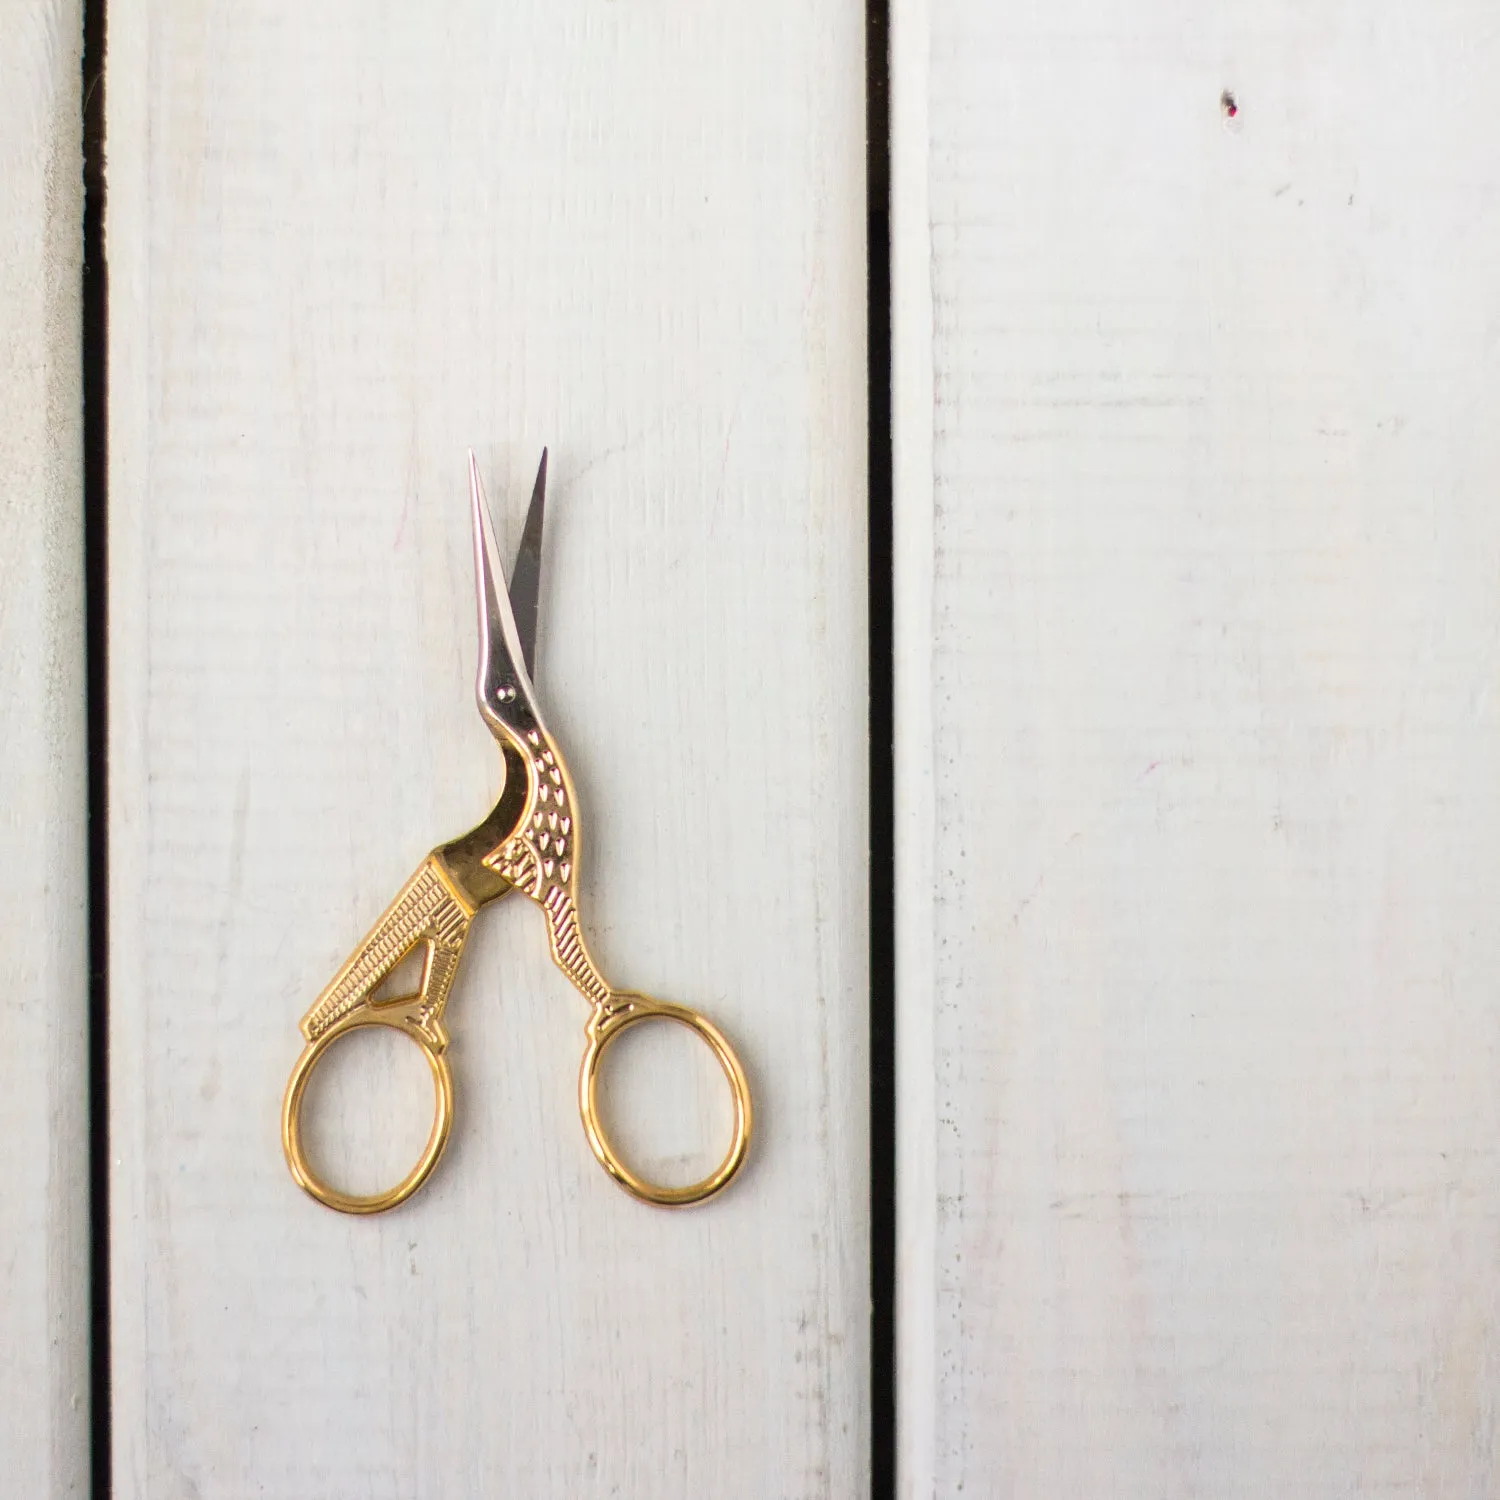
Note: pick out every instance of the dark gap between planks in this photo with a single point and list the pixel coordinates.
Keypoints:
(882, 764)
(95, 539)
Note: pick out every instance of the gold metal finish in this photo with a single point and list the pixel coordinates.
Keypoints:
(607, 1027)
(528, 843)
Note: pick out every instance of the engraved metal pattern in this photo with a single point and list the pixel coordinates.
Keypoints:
(424, 912)
(568, 952)
(539, 861)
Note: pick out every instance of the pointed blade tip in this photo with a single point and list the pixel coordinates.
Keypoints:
(476, 491)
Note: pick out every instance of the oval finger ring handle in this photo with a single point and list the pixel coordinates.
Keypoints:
(633, 1010)
(291, 1118)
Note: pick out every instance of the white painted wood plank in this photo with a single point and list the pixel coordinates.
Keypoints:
(44, 1301)
(343, 246)
(1199, 604)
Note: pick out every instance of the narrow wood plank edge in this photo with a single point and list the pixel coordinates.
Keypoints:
(44, 1301)
(126, 241)
(912, 399)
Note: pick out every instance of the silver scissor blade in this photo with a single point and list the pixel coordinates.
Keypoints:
(502, 665)
(526, 576)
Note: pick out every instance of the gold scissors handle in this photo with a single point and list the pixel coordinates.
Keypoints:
(433, 912)
(549, 884)
(609, 1023)
(291, 1117)
(429, 912)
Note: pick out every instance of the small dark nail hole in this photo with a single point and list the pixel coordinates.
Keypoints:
(1228, 105)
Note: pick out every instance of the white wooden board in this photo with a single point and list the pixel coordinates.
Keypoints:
(1199, 603)
(44, 1302)
(346, 243)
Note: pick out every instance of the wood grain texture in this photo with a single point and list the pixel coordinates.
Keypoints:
(44, 1302)
(346, 242)
(1199, 613)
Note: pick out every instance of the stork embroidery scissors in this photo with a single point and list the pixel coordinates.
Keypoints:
(528, 843)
